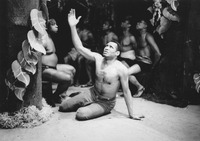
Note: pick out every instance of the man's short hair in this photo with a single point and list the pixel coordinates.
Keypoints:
(148, 23)
(118, 45)
(128, 18)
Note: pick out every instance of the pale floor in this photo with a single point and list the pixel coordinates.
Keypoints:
(161, 123)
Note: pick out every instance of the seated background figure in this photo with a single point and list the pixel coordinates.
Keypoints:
(52, 71)
(80, 62)
(107, 34)
(146, 48)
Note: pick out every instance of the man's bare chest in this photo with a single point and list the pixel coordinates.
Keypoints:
(107, 74)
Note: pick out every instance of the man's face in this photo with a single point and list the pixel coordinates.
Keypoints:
(125, 24)
(110, 50)
(141, 25)
(54, 28)
(106, 25)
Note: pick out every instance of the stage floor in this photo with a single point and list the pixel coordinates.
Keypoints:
(161, 123)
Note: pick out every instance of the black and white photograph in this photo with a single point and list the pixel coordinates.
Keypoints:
(100, 70)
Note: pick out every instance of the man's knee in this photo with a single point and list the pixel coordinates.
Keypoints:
(83, 113)
(61, 108)
(65, 107)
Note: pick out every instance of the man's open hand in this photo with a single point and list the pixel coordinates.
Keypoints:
(72, 20)
(134, 117)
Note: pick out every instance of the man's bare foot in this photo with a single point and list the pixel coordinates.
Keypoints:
(89, 84)
(139, 92)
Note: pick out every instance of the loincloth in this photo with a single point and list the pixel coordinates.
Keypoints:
(105, 102)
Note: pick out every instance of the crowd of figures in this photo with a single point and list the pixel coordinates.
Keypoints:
(84, 45)
(138, 50)
(146, 45)
(150, 41)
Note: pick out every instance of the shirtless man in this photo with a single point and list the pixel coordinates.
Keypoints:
(128, 43)
(110, 72)
(128, 48)
(146, 44)
(52, 71)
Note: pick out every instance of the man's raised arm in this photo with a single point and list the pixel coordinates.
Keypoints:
(73, 21)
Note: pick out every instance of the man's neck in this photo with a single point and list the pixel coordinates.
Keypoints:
(108, 61)
(126, 32)
(143, 31)
(106, 32)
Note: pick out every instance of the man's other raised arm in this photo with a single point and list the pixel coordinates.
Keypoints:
(73, 21)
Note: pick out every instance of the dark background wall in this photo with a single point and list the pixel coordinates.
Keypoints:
(3, 50)
(183, 59)
(14, 16)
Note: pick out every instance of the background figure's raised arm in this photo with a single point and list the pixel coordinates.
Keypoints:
(73, 21)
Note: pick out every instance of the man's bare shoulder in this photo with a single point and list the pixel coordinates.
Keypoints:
(132, 37)
(149, 36)
(120, 66)
(97, 55)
